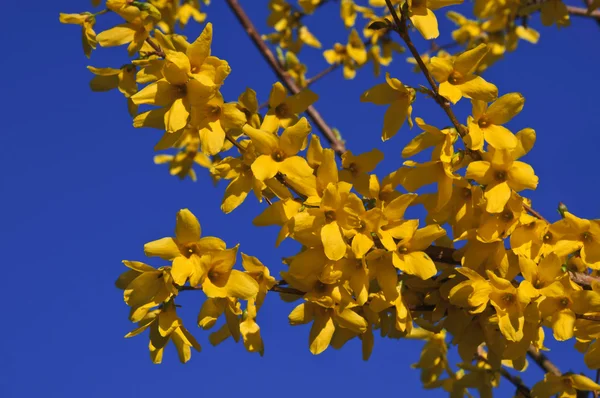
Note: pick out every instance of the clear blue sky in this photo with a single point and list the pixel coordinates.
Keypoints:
(80, 193)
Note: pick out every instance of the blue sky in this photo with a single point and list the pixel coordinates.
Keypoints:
(81, 193)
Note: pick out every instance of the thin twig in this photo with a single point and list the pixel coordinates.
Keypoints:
(401, 27)
(582, 12)
(336, 144)
(514, 380)
(534, 213)
(542, 361)
(156, 47)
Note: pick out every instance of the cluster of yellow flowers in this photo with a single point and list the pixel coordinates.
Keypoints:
(363, 266)
(207, 265)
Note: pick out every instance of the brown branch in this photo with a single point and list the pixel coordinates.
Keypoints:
(336, 144)
(542, 361)
(401, 27)
(156, 47)
(323, 73)
(582, 12)
(588, 3)
(514, 380)
(534, 213)
(583, 279)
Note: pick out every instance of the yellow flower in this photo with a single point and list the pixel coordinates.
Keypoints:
(324, 324)
(295, 68)
(338, 210)
(109, 78)
(565, 385)
(279, 155)
(587, 235)
(486, 123)
(468, 29)
(222, 280)
(457, 79)
(473, 293)
(422, 16)
(510, 303)
(441, 172)
(284, 110)
(309, 6)
(500, 172)
(541, 275)
(134, 31)
(212, 118)
(87, 21)
(399, 98)
(261, 274)
(498, 226)
(185, 249)
(352, 56)
(248, 104)
(145, 287)
(409, 256)
(185, 83)
(562, 302)
(239, 171)
(280, 213)
(166, 326)
(555, 12)
(251, 331)
(188, 10)
(430, 137)
(355, 169)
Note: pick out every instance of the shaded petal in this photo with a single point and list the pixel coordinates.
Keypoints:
(187, 227)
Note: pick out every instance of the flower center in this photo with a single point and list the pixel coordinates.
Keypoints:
(352, 168)
(214, 112)
(403, 250)
(547, 237)
(507, 216)
(466, 193)
(455, 77)
(320, 287)
(564, 302)
(278, 156)
(586, 237)
(508, 298)
(330, 215)
(500, 176)
(282, 110)
(483, 122)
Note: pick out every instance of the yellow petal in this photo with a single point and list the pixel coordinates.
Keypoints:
(199, 50)
(477, 88)
(333, 241)
(467, 62)
(321, 333)
(505, 108)
(293, 137)
(165, 248)
(117, 36)
(187, 227)
(426, 24)
(264, 167)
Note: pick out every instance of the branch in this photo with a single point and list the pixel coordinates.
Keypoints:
(582, 12)
(542, 361)
(401, 28)
(336, 144)
(514, 380)
(156, 47)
